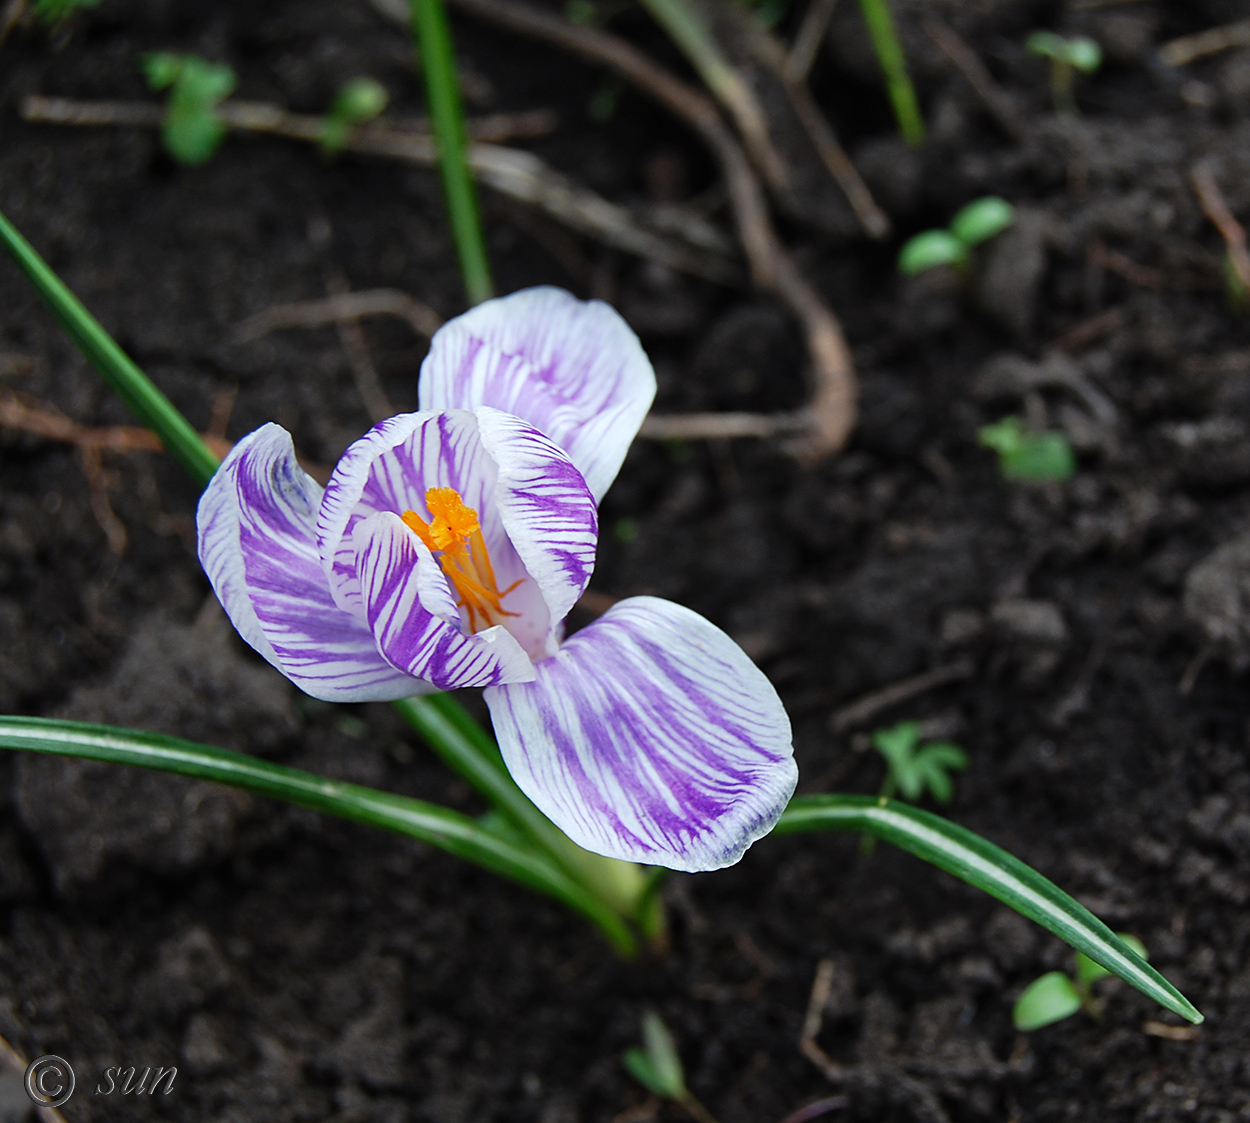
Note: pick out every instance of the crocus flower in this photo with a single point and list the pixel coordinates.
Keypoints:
(447, 550)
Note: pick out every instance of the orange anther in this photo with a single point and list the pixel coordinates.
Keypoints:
(454, 533)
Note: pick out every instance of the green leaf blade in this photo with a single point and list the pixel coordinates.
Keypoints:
(991, 869)
(442, 827)
(130, 384)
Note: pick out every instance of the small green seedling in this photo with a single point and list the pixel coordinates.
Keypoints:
(910, 769)
(192, 130)
(360, 101)
(1067, 56)
(1236, 291)
(978, 222)
(54, 13)
(1026, 455)
(657, 1067)
(1056, 996)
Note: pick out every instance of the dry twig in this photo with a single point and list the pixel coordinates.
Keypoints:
(862, 709)
(814, 1019)
(816, 1109)
(92, 443)
(340, 308)
(807, 42)
(352, 339)
(520, 175)
(1184, 50)
(10, 16)
(769, 51)
(1216, 209)
(720, 426)
(831, 414)
(979, 78)
(11, 1059)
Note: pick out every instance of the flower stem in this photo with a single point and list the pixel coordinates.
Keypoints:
(894, 66)
(466, 748)
(442, 84)
(1062, 82)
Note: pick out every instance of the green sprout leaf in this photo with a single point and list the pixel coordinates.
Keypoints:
(1080, 52)
(982, 219)
(656, 1066)
(584, 13)
(1084, 54)
(359, 101)
(192, 132)
(1047, 44)
(935, 763)
(56, 12)
(1025, 455)
(1049, 999)
(930, 249)
(912, 770)
(1087, 971)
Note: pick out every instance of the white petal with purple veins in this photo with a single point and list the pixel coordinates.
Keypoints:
(258, 545)
(572, 369)
(390, 469)
(650, 736)
(545, 506)
(414, 617)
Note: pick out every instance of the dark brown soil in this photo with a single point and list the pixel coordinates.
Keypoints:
(298, 968)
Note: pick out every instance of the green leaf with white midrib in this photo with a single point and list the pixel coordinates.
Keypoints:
(991, 869)
(439, 826)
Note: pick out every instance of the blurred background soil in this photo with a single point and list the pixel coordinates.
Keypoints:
(297, 968)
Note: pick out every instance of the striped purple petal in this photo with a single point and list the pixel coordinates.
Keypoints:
(651, 737)
(413, 613)
(389, 469)
(572, 369)
(545, 507)
(258, 545)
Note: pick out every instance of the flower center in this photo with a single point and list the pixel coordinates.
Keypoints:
(454, 536)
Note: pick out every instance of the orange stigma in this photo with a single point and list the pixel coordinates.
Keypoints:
(454, 534)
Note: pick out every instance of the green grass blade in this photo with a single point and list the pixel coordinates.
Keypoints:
(987, 867)
(894, 66)
(442, 84)
(439, 826)
(134, 388)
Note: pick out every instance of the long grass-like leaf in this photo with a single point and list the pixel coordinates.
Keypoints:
(134, 388)
(439, 826)
(894, 66)
(442, 85)
(980, 863)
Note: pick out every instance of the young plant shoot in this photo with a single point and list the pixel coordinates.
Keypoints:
(910, 769)
(978, 222)
(1067, 57)
(192, 131)
(1026, 455)
(1056, 996)
(55, 13)
(360, 101)
(658, 1068)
